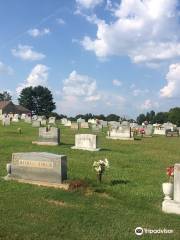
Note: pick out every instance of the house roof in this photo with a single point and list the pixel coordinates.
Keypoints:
(3, 104)
(21, 108)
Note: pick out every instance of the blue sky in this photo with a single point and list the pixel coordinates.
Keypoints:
(97, 56)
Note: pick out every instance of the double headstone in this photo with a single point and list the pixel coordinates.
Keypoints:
(84, 125)
(86, 142)
(48, 136)
(75, 126)
(122, 133)
(38, 166)
(36, 123)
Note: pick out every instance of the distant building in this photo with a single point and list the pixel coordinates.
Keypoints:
(7, 107)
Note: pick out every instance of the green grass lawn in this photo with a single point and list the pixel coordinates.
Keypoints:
(130, 195)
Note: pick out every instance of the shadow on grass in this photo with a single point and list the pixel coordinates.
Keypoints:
(105, 149)
(119, 182)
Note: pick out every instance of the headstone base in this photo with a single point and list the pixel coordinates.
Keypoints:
(39, 183)
(119, 138)
(45, 143)
(87, 149)
(171, 206)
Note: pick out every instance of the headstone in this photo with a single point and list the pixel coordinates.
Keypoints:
(64, 121)
(52, 120)
(15, 118)
(80, 120)
(103, 123)
(159, 130)
(34, 117)
(113, 124)
(172, 132)
(122, 133)
(36, 123)
(43, 122)
(173, 206)
(84, 125)
(38, 166)
(28, 119)
(23, 116)
(48, 136)
(148, 130)
(96, 127)
(75, 126)
(86, 142)
(6, 121)
(68, 123)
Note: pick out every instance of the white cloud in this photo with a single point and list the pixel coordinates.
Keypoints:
(35, 32)
(80, 94)
(60, 21)
(117, 83)
(26, 52)
(88, 3)
(38, 76)
(146, 31)
(149, 104)
(137, 92)
(4, 69)
(172, 89)
(82, 86)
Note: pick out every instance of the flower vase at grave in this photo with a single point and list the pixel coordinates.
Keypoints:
(167, 190)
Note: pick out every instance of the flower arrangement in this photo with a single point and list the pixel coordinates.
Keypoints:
(100, 167)
(170, 173)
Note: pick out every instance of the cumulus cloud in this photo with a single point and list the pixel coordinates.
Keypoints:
(83, 86)
(149, 104)
(80, 94)
(146, 31)
(26, 52)
(35, 32)
(38, 76)
(117, 82)
(172, 89)
(4, 69)
(88, 3)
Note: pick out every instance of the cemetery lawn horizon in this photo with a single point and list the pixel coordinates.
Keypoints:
(129, 196)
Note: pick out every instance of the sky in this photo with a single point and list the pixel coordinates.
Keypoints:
(96, 56)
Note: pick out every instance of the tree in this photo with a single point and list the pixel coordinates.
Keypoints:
(5, 96)
(37, 99)
(174, 116)
(161, 117)
(141, 118)
(112, 117)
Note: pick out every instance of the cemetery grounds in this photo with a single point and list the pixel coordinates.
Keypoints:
(130, 195)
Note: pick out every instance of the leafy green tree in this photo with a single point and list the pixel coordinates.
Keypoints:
(37, 99)
(161, 117)
(174, 115)
(112, 117)
(141, 118)
(5, 96)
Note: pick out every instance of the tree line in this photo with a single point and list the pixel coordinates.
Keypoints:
(39, 100)
(173, 116)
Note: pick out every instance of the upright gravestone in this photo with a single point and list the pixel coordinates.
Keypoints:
(75, 126)
(84, 125)
(6, 121)
(121, 133)
(48, 136)
(38, 166)
(173, 205)
(148, 130)
(15, 118)
(86, 142)
(28, 119)
(52, 120)
(36, 123)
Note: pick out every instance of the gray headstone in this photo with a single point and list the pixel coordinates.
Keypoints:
(39, 166)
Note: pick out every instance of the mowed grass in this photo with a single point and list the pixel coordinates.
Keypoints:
(130, 195)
